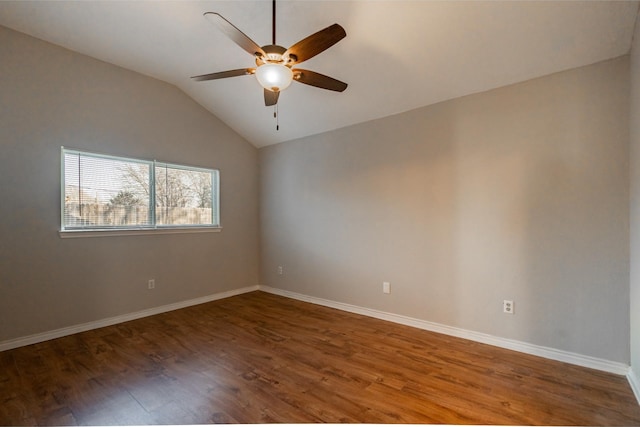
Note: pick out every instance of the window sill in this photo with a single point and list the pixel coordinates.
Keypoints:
(72, 234)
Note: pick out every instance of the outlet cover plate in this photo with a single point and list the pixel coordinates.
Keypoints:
(386, 287)
(508, 307)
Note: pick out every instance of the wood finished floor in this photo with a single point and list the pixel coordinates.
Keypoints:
(261, 358)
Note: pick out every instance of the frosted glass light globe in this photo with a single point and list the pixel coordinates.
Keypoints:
(274, 77)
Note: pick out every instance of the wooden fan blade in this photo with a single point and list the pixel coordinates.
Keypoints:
(231, 31)
(314, 44)
(270, 97)
(318, 80)
(224, 74)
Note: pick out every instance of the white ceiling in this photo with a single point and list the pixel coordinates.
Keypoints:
(397, 56)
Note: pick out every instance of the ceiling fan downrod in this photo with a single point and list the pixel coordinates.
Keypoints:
(273, 39)
(273, 23)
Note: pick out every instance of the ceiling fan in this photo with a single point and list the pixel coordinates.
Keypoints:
(274, 64)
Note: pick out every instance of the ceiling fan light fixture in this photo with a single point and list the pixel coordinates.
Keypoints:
(274, 77)
(274, 63)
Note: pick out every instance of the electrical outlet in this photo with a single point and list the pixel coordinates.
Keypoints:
(152, 284)
(280, 270)
(508, 307)
(386, 287)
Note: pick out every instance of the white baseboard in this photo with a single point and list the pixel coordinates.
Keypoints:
(634, 381)
(523, 347)
(549, 353)
(57, 333)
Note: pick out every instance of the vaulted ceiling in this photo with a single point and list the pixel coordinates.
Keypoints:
(397, 56)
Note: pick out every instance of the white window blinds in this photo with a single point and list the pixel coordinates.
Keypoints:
(108, 192)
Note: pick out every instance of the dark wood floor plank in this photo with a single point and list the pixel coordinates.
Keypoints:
(261, 358)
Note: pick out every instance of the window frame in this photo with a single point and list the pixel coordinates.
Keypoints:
(152, 227)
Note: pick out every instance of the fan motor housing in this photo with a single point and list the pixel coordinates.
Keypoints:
(274, 55)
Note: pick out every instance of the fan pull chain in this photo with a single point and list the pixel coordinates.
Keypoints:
(276, 116)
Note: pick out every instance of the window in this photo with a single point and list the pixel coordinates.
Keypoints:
(101, 192)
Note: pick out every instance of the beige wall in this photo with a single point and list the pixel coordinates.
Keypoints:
(50, 97)
(635, 207)
(519, 193)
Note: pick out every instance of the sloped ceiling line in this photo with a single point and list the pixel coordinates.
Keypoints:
(397, 56)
